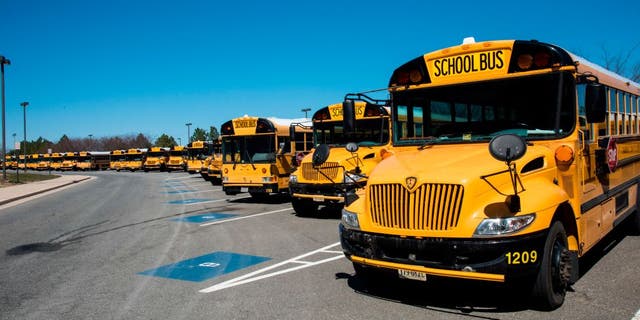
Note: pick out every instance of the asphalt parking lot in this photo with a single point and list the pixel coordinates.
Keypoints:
(135, 245)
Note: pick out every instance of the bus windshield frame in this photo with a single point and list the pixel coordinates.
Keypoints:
(253, 149)
(368, 132)
(536, 107)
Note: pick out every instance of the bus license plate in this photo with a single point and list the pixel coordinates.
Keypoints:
(244, 189)
(318, 199)
(412, 275)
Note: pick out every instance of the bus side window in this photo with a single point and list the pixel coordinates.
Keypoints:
(582, 117)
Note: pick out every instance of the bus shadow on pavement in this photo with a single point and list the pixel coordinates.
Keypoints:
(443, 295)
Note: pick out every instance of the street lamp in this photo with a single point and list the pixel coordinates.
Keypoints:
(3, 61)
(188, 132)
(90, 141)
(24, 145)
(305, 110)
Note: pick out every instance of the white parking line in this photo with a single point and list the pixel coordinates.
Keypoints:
(637, 316)
(243, 217)
(257, 275)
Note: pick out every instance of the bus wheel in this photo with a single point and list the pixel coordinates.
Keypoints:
(304, 207)
(554, 275)
(634, 223)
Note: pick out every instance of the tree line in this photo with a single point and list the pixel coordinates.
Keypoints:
(122, 142)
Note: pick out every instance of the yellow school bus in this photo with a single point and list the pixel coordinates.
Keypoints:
(196, 154)
(84, 161)
(32, 161)
(257, 154)
(349, 154)
(511, 160)
(133, 159)
(10, 162)
(211, 169)
(69, 161)
(117, 160)
(44, 162)
(177, 158)
(21, 162)
(56, 160)
(156, 159)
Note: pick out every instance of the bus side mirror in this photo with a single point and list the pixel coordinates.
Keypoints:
(595, 103)
(320, 155)
(349, 116)
(508, 148)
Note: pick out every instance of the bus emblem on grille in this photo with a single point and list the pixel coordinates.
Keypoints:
(411, 182)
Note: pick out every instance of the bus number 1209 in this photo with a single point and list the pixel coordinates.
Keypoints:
(522, 257)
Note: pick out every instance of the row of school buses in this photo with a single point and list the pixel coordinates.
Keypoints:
(183, 158)
(499, 161)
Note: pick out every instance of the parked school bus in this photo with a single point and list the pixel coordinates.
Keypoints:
(56, 161)
(257, 154)
(44, 162)
(133, 159)
(21, 162)
(100, 160)
(177, 160)
(32, 161)
(10, 162)
(196, 154)
(69, 161)
(211, 169)
(117, 160)
(84, 161)
(156, 159)
(493, 176)
(343, 168)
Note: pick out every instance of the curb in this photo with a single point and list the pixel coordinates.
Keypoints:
(27, 195)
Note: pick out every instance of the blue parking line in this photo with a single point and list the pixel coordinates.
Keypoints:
(178, 191)
(205, 217)
(188, 201)
(206, 266)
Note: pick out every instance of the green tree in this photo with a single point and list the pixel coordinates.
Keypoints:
(213, 134)
(165, 141)
(199, 135)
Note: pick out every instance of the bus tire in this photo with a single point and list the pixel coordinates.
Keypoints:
(552, 281)
(634, 223)
(304, 207)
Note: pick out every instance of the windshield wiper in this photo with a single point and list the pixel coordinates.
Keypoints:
(430, 142)
(249, 158)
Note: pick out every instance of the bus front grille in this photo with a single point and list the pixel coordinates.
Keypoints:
(329, 172)
(430, 207)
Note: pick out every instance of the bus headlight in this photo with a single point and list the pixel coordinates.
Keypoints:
(499, 226)
(352, 177)
(350, 219)
(293, 178)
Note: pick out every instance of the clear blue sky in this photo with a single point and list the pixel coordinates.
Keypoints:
(126, 67)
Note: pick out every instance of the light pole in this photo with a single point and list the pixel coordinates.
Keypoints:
(188, 132)
(24, 144)
(305, 110)
(90, 141)
(3, 61)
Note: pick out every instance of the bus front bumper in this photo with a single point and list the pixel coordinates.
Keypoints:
(231, 188)
(484, 259)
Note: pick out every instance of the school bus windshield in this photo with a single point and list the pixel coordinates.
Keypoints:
(249, 149)
(535, 107)
(368, 132)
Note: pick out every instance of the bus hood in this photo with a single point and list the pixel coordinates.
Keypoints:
(454, 164)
